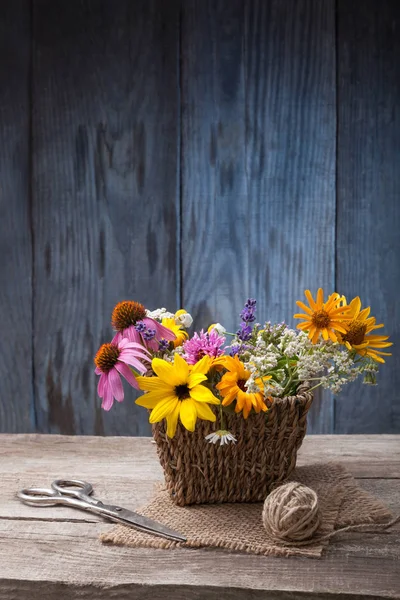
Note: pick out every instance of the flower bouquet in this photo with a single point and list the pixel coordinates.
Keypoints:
(229, 409)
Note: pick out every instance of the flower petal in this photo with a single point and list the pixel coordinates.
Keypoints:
(108, 399)
(101, 384)
(205, 412)
(164, 407)
(172, 421)
(125, 371)
(117, 338)
(355, 306)
(310, 299)
(157, 396)
(134, 362)
(195, 379)
(181, 369)
(188, 414)
(203, 365)
(147, 401)
(161, 331)
(320, 298)
(314, 338)
(131, 334)
(116, 384)
(164, 370)
(304, 307)
(203, 394)
(154, 383)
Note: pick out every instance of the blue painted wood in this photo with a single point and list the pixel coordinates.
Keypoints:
(214, 187)
(258, 170)
(187, 152)
(105, 100)
(368, 211)
(16, 397)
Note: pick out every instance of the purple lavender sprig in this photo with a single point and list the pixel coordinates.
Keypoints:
(248, 316)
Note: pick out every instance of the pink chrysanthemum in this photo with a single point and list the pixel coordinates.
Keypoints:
(111, 362)
(203, 344)
(130, 321)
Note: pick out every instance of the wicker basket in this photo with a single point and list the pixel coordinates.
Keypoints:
(197, 472)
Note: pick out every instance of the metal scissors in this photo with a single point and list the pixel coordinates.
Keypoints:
(76, 493)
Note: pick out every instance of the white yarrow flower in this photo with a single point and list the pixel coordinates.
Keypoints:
(222, 436)
(159, 314)
(220, 329)
(185, 319)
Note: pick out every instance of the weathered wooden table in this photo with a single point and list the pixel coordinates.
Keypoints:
(48, 553)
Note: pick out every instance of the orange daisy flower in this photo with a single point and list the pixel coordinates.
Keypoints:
(326, 318)
(357, 333)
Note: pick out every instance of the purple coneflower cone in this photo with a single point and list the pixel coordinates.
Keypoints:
(113, 361)
(202, 344)
(140, 333)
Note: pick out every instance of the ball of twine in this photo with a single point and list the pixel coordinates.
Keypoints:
(291, 513)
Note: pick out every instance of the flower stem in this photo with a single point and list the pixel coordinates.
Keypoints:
(221, 418)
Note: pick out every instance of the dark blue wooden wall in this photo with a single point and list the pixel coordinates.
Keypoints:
(191, 154)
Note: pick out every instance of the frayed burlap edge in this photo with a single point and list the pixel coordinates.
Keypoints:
(238, 527)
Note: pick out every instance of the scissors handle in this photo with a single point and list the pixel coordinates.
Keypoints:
(63, 491)
(74, 488)
(42, 496)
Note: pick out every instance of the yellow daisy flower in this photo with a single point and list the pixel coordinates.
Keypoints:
(356, 336)
(181, 334)
(232, 387)
(321, 317)
(176, 392)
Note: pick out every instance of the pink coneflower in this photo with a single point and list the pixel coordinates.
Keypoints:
(203, 344)
(130, 321)
(111, 362)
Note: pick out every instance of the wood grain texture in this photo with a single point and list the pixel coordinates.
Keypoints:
(43, 558)
(368, 212)
(105, 188)
(258, 170)
(55, 553)
(129, 468)
(16, 397)
(290, 141)
(215, 270)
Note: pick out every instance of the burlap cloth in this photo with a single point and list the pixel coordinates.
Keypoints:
(239, 526)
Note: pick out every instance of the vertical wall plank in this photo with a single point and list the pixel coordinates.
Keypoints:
(368, 241)
(214, 186)
(291, 127)
(258, 146)
(105, 177)
(16, 397)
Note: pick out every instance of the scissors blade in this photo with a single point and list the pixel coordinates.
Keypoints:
(128, 517)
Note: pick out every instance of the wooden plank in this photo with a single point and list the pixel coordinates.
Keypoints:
(125, 470)
(105, 187)
(364, 455)
(214, 186)
(258, 150)
(290, 158)
(46, 551)
(117, 488)
(368, 242)
(16, 398)
(55, 553)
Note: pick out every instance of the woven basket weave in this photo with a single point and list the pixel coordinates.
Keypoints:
(197, 472)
